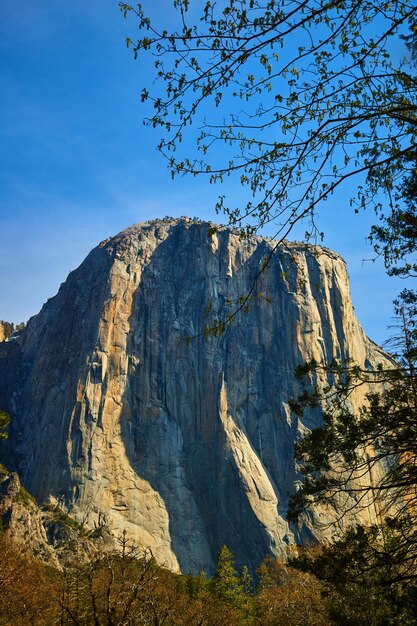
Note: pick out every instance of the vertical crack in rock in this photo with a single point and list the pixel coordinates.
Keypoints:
(259, 490)
(185, 445)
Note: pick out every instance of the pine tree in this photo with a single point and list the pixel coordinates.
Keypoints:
(382, 434)
(227, 584)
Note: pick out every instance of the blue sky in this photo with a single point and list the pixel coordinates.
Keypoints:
(78, 165)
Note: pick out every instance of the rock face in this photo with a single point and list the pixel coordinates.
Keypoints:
(6, 330)
(48, 533)
(20, 516)
(186, 445)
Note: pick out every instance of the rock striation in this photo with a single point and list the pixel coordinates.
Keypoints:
(47, 533)
(185, 445)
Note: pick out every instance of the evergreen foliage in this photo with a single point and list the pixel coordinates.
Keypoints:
(369, 455)
(358, 577)
(324, 588)
(227, 584)
(4, 422)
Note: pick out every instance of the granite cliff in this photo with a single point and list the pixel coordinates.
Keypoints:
(185, 445)
(47, 532)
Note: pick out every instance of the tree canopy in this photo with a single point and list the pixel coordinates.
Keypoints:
(368, 454)
(292, 98)
(386, 423)
(227, 584)
(295, 99)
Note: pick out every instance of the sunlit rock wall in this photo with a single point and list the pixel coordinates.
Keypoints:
(186, 445)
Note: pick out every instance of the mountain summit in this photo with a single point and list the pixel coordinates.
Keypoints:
(184, 444)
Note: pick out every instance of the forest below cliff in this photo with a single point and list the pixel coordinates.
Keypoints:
(367, 576)
(128, 587)
(349, 120)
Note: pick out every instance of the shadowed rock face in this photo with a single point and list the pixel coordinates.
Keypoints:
(185, 445)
